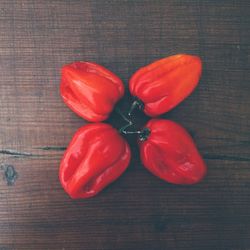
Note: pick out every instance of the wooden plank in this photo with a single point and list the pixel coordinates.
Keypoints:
(138, 211)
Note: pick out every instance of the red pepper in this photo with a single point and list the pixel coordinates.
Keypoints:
(96, 156)
(168, 151)
(163, 84)
(90, 90)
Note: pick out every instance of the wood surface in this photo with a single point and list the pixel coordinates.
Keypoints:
(138, 211)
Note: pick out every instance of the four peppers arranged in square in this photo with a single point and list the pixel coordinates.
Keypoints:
(98, 154)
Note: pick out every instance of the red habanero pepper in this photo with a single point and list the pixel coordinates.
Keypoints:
(168, 151)
(96, 156)
(90, 90)
(163, 84)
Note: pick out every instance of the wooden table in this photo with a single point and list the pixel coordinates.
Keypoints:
(138, 211)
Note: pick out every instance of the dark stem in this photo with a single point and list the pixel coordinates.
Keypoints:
(137, 103)
(124, 117)
(131, 132)
(123, 128)
(145, 132)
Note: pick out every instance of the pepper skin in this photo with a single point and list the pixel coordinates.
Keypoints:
(90, 90)
(169, 152)
(96, 156)
(163, 84)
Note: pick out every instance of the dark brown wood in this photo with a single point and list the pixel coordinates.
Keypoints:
(138, 211)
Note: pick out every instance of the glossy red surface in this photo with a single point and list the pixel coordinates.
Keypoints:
(164, 83)
(96, 156)
(170, 153)
(90, 90)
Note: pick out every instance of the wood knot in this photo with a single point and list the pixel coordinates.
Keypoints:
(10, 174)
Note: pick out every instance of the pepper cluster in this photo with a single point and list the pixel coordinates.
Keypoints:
(97, 154)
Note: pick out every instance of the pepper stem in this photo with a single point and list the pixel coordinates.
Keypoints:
(130, 132)
(137, 103)
(145, 132)
(123, 128)
(124, 117)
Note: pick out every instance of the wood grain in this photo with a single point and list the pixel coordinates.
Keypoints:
(138, 211)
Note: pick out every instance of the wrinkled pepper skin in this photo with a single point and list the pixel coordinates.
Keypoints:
(170, 153)
(96, 156)
(163, 84)
(90, 90)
